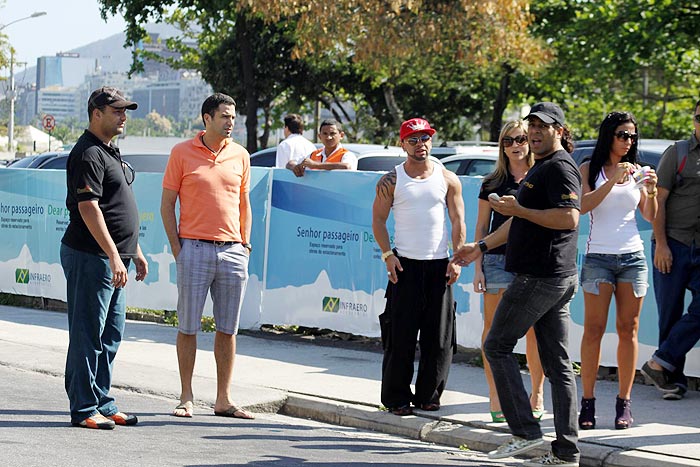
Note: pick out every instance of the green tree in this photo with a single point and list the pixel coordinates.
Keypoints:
(382, 54)
(641, 56)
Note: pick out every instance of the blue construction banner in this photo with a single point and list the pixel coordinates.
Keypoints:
(314, 262)
(33, 218)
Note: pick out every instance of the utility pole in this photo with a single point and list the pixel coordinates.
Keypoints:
(11, 121)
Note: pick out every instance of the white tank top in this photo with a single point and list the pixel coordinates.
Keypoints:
(420, 227)
(613, 223)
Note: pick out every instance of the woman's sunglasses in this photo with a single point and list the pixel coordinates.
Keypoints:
(625, 135)
(508, 141)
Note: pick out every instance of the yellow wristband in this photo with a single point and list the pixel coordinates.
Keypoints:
(386, 254)
(651, 194)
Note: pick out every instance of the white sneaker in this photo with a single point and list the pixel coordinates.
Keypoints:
(515, 446)
(549, 459)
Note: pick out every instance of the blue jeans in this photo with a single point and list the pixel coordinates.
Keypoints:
(678, 332)
(542, 302)
(96, 316)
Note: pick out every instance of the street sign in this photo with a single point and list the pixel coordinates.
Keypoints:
(49, 122)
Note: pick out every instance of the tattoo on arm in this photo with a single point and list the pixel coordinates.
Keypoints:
(385, 186)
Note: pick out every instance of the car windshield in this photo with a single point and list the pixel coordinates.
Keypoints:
(23, 163)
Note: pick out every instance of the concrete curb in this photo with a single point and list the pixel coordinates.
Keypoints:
(448, 433)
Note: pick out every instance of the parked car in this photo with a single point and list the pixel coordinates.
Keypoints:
(650, 150)
(264, 158)
(471, 164)
(468, 158)
(34, 161)
(453, 148)
(57, 161)
(268, 157)
(380, 161)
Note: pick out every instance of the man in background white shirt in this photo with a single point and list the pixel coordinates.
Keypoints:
(294, 147)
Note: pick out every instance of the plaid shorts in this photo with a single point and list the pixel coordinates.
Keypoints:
(204, 268)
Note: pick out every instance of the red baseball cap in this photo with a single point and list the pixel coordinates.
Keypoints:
(415, 125)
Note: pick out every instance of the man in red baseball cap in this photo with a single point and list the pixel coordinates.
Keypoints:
(421, 195)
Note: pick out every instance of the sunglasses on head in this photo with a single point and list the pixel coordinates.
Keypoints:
(697, 118)
(508, 141)
(625, 135)
(414, 139)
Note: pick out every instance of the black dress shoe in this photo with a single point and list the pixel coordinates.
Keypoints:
(402, 411)
(430, 407)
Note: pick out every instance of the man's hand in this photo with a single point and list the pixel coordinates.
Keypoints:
(452, 273)
(663, 259)
(466, 255)
(141, 264)
(392, 265)
(119, 272)
(300, 168)
(506, 205)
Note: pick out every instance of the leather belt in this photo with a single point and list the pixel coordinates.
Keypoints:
(217, 243)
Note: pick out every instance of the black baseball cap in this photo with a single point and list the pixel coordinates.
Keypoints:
(113, 97)
(548, 112)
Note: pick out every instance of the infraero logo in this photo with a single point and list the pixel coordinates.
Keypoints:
(331, 304)
(22, 276)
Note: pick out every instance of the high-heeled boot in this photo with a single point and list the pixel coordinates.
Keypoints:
(623, 413)
(586, 419)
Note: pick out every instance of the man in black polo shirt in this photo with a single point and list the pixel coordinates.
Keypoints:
(99, 243)
(541, 251)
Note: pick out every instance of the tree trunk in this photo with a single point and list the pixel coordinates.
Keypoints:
(501, 102)
(394, 110)
(659, 127)
(265, 137)
(248, 81)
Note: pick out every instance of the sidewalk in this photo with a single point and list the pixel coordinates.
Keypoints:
(341, 386)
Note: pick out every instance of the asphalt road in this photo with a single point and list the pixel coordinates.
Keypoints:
(35, 431)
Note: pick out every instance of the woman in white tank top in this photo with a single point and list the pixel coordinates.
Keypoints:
(614, 263)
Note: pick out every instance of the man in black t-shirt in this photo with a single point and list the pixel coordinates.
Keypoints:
(541, 251)
(99, 243)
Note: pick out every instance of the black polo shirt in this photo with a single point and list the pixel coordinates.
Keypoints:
(94, 172)
(553, 182)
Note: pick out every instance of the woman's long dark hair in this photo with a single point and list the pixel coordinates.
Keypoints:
(606, 135)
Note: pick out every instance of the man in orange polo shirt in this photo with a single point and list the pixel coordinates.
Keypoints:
(332, 156)
(210, 174)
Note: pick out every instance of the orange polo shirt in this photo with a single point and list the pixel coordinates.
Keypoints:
(336, 156)
(210, 187)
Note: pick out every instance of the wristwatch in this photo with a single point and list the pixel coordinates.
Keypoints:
(249, 246)
(482, 246)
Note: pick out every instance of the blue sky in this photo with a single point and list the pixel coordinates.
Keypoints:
(67, 24)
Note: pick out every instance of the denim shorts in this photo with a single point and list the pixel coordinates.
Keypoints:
(610, 269)
(495, 274)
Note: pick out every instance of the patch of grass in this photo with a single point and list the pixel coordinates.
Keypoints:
(170, 317)
(577, 368)
(208, 324)
(11, 300)
(464, 447)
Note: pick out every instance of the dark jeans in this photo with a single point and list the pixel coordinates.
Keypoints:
(421, 301)
(96, 317)
(542, 302)
(678, 332)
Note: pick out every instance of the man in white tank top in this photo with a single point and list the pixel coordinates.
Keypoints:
(419, 291)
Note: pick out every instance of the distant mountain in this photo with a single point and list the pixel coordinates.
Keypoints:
(109, 53)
